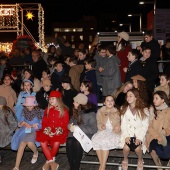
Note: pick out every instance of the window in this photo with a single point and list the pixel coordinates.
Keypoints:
(90, 38)
(72, 38)
(81, 37)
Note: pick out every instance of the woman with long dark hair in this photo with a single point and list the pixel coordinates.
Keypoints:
(84, 116)
(159, 129)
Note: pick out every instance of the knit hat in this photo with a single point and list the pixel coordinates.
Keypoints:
(55, 93)
(81, 99)
(124, 35)
(30, 101)
(2, 101)
(46, 82)
(65, 79)
(27, 80)
(138, 77)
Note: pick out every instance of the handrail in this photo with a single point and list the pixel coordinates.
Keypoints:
(163, 61)
(131, 165)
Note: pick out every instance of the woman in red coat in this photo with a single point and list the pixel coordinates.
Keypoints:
(54, 129)
(122, 48)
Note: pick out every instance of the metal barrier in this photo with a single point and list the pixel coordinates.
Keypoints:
(130, 165)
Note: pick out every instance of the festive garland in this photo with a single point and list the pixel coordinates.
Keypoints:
(22, 42)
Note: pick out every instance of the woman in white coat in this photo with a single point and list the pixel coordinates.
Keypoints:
(134, 125)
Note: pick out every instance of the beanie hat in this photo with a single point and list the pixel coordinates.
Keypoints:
(55, 93)
(30, 101)
(81, 99)
(66, 79)
(138, 77)
(46, 82)
(2, 101)
(27, 80)
(124, 35)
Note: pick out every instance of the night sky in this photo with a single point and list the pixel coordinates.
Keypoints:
(73, 10)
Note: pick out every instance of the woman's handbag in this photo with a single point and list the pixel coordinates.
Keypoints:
(83, 139)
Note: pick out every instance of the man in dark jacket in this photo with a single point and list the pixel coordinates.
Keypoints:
(38, 65)
(153, 44)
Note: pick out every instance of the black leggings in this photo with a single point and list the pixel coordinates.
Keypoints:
(74, 153)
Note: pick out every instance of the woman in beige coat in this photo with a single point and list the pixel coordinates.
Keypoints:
(108, 135)
(7, 91)
(159, 129)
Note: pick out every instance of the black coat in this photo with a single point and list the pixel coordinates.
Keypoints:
(38, 67)
(67, 98)
(150, 73)
(133, 69)
(155, 49)
(42, 98)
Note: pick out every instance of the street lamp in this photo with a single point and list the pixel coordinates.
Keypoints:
(140, 20)
(149, 2)
(126, 24)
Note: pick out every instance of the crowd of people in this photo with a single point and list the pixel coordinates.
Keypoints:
(41, 105)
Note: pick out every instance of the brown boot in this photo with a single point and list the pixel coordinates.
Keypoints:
(54, 166)
(46, 166)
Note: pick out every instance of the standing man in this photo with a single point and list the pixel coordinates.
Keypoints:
(152, 43)
(100, 59)
(38, 65)
(111, 72)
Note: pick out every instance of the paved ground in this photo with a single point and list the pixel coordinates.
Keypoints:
(8, 162)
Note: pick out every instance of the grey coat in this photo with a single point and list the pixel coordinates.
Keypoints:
(89, 125)
(6, 131)
(111, 75)
(100, 61)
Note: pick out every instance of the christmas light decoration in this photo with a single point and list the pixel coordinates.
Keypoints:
(6, 11)
(29, 15)
(12, 20)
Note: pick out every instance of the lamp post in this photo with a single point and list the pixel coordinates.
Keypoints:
(149, 2)
(126, 24)
(140, 20)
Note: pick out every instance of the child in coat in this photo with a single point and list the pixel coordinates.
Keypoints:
(29, 123)
(108, 135)
(134, 125)
(8, 123)
(90, 73)
(164, 84)
(27, 91)
(54, 129)
(87, 89)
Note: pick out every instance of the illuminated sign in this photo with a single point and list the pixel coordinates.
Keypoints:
(6, 11)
